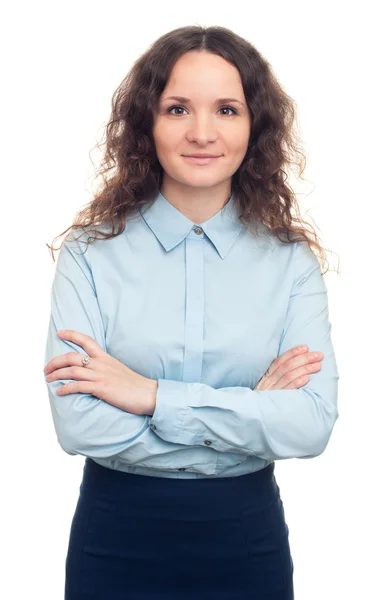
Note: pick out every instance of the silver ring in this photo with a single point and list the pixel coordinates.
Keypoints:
(85, 360)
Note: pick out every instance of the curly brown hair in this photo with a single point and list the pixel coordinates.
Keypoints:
(131, 172)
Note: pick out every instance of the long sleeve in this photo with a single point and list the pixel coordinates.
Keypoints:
(84, 424)
(270, 424)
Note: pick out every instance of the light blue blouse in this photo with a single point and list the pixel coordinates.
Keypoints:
(204, 309)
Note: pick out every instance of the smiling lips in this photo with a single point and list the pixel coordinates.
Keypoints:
(201, 159)
(201, 155)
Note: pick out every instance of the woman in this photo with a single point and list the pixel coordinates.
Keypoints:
(197, 347)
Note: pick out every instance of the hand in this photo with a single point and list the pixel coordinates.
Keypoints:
(290, 370)
(104, 376)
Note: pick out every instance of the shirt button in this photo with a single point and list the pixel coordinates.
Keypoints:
(182, 469)
(198, 230)
(152, 426)
(207, 442)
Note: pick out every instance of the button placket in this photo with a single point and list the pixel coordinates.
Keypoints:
(194, 308)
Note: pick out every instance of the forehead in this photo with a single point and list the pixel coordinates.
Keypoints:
(203, 71)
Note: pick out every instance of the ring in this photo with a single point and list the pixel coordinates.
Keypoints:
(85, 360)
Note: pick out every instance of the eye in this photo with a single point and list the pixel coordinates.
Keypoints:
(172, 108)
(182, 107)
(229, 108)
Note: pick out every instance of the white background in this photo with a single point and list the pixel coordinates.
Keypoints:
(61, 62)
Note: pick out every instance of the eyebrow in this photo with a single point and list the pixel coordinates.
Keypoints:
(218, 101)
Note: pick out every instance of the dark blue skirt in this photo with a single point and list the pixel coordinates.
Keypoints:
(138, 537)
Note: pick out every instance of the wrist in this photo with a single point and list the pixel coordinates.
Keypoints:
(150, 392)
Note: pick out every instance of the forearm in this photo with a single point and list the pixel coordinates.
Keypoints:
(272, 425)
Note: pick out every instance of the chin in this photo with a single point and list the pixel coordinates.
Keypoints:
(205, 181)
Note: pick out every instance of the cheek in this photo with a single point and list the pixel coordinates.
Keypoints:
(239, 139)
(166, 132)
(238, 149)
(167, 143)
(238, 135)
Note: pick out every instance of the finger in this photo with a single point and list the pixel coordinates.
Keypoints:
(301, 360)
(306, 358)
(297, 383)
(78, 373)
(65, 360)
(75, 387)
(286, 356)
(296, 373)
(88, 343)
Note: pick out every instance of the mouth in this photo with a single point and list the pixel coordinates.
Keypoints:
(201, 160)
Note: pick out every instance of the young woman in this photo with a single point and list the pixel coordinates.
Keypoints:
(197, 346)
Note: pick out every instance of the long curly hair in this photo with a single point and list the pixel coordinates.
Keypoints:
(132, 174)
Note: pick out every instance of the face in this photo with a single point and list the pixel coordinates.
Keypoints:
(202, 122)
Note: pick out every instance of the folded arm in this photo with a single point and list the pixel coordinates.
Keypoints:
(270, 424)
(85, 424)
(235, 420)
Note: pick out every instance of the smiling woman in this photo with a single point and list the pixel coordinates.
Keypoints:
(207, 132)
(190, 296)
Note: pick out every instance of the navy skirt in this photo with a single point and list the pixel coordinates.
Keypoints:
(137, 537)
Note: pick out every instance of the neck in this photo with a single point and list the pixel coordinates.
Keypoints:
(197, 204)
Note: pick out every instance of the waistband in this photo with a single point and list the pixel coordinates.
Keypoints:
(213, 496)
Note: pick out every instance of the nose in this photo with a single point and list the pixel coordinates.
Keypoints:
(202, 130)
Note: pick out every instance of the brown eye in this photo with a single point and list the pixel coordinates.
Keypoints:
(229, 108)
(172, 108)
(182, 107)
